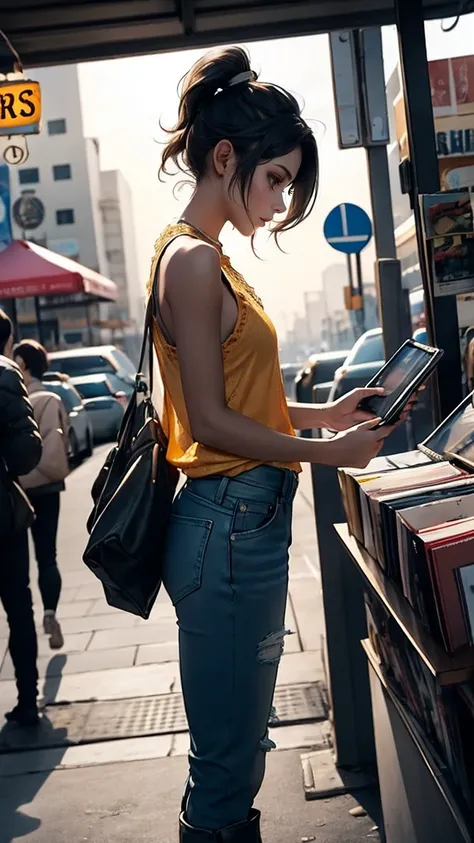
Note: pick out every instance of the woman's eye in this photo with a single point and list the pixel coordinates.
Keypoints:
(274, 181)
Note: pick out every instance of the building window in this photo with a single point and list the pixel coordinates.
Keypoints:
(61, 172)
(65, 217)
(56, 127)
(30, 175)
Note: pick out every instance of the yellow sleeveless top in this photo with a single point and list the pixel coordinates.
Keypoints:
(253, 380)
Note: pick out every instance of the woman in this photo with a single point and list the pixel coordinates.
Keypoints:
(46, 482)
(231, 430)
(20, 451)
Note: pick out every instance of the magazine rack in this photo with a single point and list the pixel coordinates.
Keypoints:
(419, 803)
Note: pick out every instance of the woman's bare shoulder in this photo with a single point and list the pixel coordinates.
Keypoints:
(190, 259)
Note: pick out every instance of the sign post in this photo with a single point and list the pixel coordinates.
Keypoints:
(348, 229)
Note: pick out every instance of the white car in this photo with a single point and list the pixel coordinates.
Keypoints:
(97, 360)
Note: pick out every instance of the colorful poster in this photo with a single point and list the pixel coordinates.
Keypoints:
(447, 213)
(452, 262)
(439, 82)
(5, 211)
(463, 74)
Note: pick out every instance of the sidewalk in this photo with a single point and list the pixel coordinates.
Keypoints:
(115, 657)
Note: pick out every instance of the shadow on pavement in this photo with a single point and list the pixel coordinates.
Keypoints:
(27, 750)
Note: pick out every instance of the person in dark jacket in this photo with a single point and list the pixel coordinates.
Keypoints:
(20, 449)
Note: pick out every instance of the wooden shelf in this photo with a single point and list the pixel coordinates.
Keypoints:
(448, 669)
(430, 757)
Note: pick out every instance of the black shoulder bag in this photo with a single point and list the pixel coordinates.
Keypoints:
(132, 496)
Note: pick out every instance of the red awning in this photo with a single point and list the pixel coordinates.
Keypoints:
(30, 270)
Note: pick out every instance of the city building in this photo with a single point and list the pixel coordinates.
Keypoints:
(119, 236)
(61, 200)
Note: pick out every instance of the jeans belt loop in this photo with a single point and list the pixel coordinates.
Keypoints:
(221, 490)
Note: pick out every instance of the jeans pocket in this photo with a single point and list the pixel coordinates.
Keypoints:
(251, 515)
(185, 549)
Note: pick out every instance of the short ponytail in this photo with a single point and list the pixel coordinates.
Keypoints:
(262, 121)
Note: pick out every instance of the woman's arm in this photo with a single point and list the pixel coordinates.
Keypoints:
(193, 291)
(306, 416)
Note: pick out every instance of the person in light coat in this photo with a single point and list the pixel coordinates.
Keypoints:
(46, 482)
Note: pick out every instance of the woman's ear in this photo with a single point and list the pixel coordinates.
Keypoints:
(223, 157)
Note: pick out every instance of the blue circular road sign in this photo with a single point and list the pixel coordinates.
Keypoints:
(348, 228)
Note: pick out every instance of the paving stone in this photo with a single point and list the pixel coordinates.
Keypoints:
(77, 609)
(308, 607)
(74, 643)
(100, 607)
(122, 683)
(300, 667)
(77, 663)
(91, 591)
(300, 736)
(77, 576)
(154, 634)
(292, 643)
(110, 752)
(93, 623)
(156, 653)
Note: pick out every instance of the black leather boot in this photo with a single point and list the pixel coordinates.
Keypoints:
(245, 832)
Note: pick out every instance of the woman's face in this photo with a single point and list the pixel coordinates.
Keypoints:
(266, 193)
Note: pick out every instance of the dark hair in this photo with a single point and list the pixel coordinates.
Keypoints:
(262, 121)
(34, 357)
(6, 330)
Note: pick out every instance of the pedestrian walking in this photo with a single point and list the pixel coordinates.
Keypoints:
(231, 430)
(46, 482)
(20, 452)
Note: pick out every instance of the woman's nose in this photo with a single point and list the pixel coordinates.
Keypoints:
(280, 206)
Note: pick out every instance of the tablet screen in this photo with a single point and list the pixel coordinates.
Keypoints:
(455, 435)
(396, 377)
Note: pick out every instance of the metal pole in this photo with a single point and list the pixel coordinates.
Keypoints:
(89, 324)
(360, 292)
(393, 301)
(39, 323)
(350, 274)
(443, 327)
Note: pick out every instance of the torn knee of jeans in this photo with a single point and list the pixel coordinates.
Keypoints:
(266, 744)
(270, 649)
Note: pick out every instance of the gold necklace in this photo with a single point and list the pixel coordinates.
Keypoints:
(202, 234)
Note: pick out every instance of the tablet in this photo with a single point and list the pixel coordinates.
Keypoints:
(452, 437)
(404, 373)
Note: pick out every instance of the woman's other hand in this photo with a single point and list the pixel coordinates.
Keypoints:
(355, 448)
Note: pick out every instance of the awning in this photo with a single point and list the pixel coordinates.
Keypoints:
(30, 270)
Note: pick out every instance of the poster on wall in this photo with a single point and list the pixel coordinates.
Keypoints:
(448, 221)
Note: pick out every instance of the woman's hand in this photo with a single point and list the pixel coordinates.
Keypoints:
(344, 413)
(355, 448)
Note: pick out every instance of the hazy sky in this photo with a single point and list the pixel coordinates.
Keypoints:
(124, 99)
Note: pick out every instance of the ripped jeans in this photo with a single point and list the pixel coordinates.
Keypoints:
(226, 571)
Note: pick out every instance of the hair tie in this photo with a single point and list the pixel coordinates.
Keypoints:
(245, 76)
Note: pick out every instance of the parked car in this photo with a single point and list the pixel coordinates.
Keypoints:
(288, 373)
(104, 405)
(364, 360)
(80, 432)
(318, 371)
(99, 360)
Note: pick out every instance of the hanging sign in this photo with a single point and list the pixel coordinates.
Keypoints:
(20, 107)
